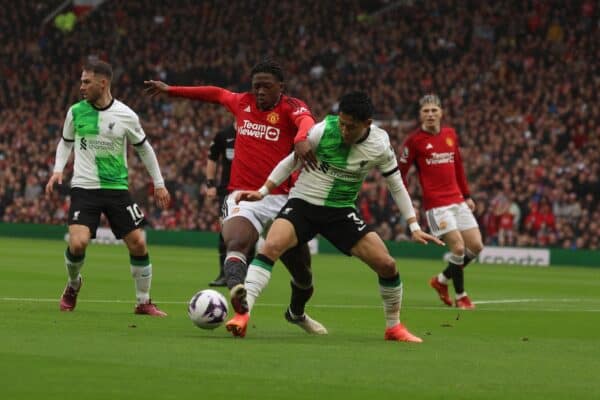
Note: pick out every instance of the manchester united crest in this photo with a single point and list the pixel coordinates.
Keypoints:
(450, 142)
(273, 118)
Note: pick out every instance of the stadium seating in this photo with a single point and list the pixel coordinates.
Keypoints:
(519, 81)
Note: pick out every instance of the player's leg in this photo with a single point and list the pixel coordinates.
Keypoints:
(141, 271)
(297, 261)
(473, 244)
(84, 217)
(239, 235)
(372, 251)
(442, 223)
(79, 237)
(258, 275)
(242, 224)
(125, 218)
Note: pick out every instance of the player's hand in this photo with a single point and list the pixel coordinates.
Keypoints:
(423, 237)
(162, 197)
(305, 153)
(154, 88)
(470, 204)
(211, 193)
(56, 177)
(248, 195)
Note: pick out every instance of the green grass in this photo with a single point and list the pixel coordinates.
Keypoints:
(544, 345)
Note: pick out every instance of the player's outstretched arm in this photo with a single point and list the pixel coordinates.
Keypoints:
(155, 88)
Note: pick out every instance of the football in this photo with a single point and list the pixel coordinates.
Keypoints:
(207, 309)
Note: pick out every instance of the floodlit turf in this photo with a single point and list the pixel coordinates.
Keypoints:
(535, 333)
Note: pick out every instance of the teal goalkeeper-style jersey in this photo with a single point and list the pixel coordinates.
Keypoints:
(100, 137)
(342, 168)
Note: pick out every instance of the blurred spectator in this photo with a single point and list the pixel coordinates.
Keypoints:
(519, 80)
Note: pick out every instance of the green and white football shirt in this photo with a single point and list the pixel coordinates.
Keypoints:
(100, 137)
(342, 168)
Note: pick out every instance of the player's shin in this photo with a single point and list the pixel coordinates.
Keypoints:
(391, 294)
(299, 298)
(235, 268)
(469, 256)
(74, 264)
(259, 274)
(141, 271)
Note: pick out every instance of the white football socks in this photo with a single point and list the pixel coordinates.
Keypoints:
(392, 301)
(142, 276)
(257, 278)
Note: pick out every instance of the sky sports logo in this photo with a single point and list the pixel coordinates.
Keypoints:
(258, 131)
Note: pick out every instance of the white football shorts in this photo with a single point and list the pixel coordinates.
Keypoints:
(259, 213)
(442, 220)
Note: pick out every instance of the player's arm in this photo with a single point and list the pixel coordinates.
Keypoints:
(302, 147)
(304, 121)
(391, 173)
(211, 94)
(461, 177)
(280, 173)
(136, 135)
(63, 151)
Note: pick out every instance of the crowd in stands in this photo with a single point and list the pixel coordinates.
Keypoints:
(519, 81)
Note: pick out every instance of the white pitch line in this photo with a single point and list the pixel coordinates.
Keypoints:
(343, 306)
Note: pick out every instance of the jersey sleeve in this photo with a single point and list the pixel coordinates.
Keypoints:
(134, 130)
(389, 169)
(211, 94)
(68, 133)
(387, 162)
(301, 116)
(315, 133)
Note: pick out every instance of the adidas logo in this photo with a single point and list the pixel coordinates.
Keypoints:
(429, 146)
(248, 109)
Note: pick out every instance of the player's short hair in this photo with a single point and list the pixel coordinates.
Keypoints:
(99, 67)
(358, 105)
(430, 98)
(268, 66)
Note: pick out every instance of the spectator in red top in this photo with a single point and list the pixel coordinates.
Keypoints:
(540, 217)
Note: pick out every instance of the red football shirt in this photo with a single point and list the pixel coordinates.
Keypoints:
(263, 138)
(439, 166)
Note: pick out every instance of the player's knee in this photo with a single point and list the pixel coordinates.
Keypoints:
(458, 249)
(137, 245)
(240, 245)
(77, 245)
(387, 268)
(273, 250)
(476, 248)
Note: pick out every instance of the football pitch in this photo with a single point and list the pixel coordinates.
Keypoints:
(534, 335)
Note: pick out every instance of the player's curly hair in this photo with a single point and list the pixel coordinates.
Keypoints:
(358, 105)
(268, 66)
